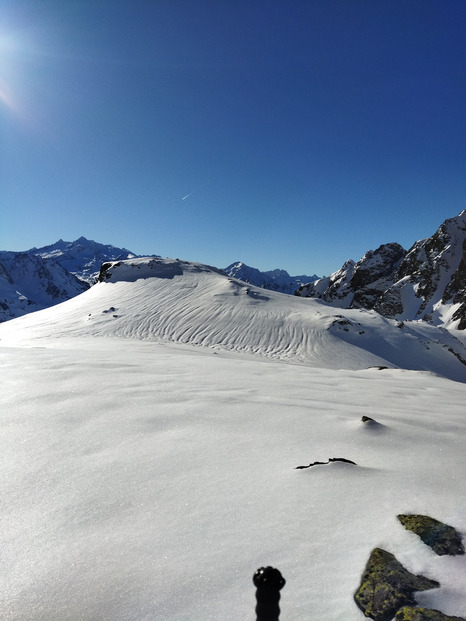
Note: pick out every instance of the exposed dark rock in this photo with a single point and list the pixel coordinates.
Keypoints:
(105, 273)
(443, 539)
(423, 283)
(386, 586)
(408, 613)
(324, 463)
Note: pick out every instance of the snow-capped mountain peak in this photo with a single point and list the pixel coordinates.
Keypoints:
(274, 280)
(426, 282)
(82, 257)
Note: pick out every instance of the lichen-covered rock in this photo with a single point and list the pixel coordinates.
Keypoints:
(408, 613)
(443, 539)
(386, 586)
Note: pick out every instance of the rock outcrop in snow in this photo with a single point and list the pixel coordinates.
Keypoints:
(274, 280)
(427, 282)
(386, 586)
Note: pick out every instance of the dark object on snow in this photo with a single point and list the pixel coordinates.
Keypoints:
(386, 586)
(443, 539)
(268, 582)
(367, 419)
(408, 613)
(323, 463)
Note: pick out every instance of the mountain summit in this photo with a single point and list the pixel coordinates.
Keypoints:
(82, 257)
(427, 282)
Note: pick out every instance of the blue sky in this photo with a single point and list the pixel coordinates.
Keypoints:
(293, 134)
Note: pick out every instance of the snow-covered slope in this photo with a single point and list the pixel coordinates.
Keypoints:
(29, 283)
(428, 282)
(173, 300)
(147, 482)
(275, 280)
(82, 257)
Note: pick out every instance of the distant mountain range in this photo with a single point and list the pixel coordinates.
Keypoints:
(274, 280)
(82, 257)
(426, 282)
(42, 277)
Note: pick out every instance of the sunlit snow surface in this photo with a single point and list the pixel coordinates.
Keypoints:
(144, 478)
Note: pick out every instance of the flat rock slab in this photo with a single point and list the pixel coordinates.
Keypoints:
(443, 539)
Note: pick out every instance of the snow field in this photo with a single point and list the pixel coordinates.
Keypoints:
(149, 481)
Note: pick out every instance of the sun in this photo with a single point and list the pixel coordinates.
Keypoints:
(8, 49)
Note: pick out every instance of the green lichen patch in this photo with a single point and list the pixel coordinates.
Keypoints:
(386, 586)
(443, 539)
(408, 613)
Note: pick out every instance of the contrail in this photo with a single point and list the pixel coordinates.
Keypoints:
(183, 198)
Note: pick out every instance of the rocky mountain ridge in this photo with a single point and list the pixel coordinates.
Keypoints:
(426, 282)
(29, 283)
(82, 257)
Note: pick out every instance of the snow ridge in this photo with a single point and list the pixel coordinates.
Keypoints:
(168, 300)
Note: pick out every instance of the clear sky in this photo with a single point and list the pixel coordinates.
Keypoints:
(283, 133)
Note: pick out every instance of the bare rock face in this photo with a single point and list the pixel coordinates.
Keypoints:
(443, 539)
(386, 586)
(358, 285)
(428, 282)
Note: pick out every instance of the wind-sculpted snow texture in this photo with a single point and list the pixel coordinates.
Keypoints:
(150, 432)
(428, 282)
(177, 301)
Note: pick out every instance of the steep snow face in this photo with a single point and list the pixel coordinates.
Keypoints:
(428, 282)
(274, 280)
(167, 300)
(30, 283)
(82, 257)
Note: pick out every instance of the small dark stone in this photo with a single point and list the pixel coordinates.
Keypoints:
(386, 586)
(443, 539)
(367, 419)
